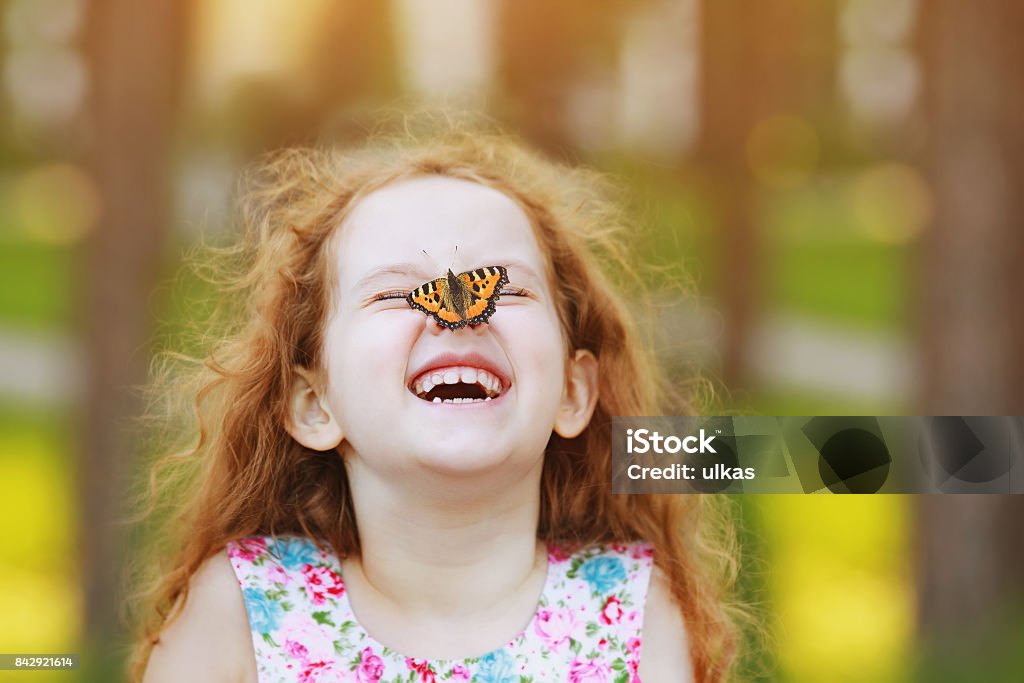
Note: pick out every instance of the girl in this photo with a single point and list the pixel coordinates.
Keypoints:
(377, 495)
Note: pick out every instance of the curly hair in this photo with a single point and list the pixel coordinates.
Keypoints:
(241, 473)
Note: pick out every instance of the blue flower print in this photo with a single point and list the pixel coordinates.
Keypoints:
(293, 552)
(496, 667)
(263, 612)
(602, 573)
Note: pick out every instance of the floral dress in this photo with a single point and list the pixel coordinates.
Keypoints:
(586, 628)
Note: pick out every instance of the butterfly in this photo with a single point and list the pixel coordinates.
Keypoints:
(455, 301)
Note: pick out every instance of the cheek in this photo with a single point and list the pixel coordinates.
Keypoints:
(366, 357)
(539, 347)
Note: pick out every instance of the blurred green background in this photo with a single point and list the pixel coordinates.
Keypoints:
(839, 179)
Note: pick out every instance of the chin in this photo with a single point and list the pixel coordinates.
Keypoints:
(478, 458)
(462, 460)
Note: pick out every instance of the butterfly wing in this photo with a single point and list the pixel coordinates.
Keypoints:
(435, 299)
(482, 289)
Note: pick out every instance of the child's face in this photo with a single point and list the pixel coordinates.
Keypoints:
(379, 353)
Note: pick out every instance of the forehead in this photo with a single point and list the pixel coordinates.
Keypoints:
(430, 223)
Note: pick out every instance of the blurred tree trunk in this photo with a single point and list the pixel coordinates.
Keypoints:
(348, 61)
(969, 556)
(547, 50)
(135, 54)
(758, 59)
(353, 62)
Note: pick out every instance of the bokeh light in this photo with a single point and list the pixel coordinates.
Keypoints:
(890, 203)
(842, 585)
(46, 85)
(55, 203)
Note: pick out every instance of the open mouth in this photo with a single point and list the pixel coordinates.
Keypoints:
(457, 385)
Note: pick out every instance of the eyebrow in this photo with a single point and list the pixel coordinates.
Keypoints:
(526, 269)
(399, 269)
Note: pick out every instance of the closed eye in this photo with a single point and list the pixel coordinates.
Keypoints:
(514, 291)
(391, 294)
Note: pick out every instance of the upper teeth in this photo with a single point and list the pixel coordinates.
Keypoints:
(427, 381)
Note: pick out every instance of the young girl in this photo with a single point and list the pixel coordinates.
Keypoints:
(379, 495)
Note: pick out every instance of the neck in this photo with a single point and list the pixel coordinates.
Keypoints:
(471, 543)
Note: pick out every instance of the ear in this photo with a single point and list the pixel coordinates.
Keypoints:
(579, 397)
(310, 421)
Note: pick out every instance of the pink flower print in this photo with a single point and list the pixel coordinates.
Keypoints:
(321, 672)
(611, 613)
(422, 668)
(371, 667)
(559, 553)
(633, 645)
(555, 627)
(321, 582)
(602, 644)
(277, 574)
(307, 640)
(619, 548)
(459, 673)
(247, 549)
(642, 550)
(589, 671)
(296, 650)
(634, 671)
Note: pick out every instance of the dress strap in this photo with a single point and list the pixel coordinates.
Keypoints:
(293, 596)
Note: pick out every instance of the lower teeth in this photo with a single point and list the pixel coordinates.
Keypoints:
(438, 399)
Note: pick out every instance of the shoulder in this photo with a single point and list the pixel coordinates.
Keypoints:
(664, 653)
(208, 638)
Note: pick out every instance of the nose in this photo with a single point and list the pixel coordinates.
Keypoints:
(435, 328)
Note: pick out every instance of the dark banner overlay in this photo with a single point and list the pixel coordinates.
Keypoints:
(754, 454)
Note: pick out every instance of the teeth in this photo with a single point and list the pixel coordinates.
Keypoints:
(489, 381)
(491, 384)
(423, 386)
(461, 400)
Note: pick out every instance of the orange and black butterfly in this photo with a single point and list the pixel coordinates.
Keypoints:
(455, 301)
